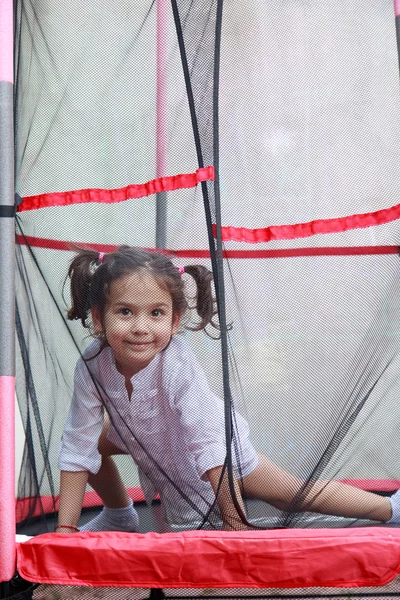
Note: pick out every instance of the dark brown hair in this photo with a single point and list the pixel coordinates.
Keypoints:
(91, 275)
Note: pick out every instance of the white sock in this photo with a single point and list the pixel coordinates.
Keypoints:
(114, 519)
(395, 502)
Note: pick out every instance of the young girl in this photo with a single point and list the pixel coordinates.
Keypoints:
(139, 390)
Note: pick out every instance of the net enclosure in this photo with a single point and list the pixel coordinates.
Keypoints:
(207, 297)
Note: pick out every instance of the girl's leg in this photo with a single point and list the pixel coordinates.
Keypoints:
(270, 483)
(107, 482)
(118, 513)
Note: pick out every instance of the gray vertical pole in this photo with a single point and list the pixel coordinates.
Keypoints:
(161, 219)
(7, 298)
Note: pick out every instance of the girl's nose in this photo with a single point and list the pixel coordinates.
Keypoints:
(140, 324)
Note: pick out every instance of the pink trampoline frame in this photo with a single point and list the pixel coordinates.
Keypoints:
(7, 402)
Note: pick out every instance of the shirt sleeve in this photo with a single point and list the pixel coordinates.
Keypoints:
(78, 450)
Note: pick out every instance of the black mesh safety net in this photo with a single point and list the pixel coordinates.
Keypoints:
(158, 143)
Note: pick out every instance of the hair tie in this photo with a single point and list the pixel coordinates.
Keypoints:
(181, 269)
(101, 256)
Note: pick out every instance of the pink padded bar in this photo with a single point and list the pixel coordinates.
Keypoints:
(290, 558)
(397, 7)
(7, 478)
(6, 41)
(161, 97)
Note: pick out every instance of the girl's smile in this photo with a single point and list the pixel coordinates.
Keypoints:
(138, 321)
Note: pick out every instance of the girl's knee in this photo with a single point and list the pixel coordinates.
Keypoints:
(107, 448)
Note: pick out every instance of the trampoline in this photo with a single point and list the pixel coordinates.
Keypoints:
(262, 142)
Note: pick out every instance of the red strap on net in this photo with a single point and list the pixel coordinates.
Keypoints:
(162, 184)
(229, 233)
(301, 230)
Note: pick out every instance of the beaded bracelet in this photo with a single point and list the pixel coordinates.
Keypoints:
(66, 527)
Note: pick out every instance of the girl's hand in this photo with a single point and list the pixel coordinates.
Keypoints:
(229, 514)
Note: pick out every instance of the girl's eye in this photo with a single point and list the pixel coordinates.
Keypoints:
(156, 312)
(125, 312)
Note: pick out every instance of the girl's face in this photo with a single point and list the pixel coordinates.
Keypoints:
(138, 321)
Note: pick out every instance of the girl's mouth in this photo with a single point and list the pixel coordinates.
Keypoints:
(139, 344)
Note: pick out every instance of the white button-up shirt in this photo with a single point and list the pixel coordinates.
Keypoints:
(172, 426)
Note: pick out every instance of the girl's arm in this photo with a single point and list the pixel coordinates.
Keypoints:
(72, 491)
(79, 453)
(226, 506)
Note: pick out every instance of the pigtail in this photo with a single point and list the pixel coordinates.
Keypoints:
(205, 302)
(80, 273)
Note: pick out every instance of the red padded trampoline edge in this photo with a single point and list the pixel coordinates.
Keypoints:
(296, 558)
